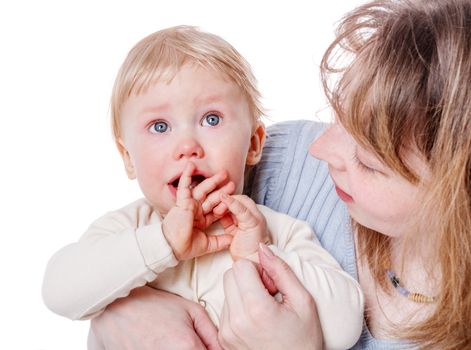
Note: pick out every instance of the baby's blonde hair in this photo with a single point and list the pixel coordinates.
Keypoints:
(159, 56)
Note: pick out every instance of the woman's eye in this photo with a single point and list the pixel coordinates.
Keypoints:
(362, 166)
(211, 120)
(159, 127)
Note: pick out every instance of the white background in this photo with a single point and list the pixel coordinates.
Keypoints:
(59, 168)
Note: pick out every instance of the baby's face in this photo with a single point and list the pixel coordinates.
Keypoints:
(199, 117)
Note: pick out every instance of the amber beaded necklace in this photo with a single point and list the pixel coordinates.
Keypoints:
(415, 297)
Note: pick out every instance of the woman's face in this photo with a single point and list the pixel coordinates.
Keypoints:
(375, 195)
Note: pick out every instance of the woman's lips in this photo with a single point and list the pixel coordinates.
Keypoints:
(343, 196)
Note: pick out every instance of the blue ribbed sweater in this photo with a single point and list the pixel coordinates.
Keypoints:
(290, 181)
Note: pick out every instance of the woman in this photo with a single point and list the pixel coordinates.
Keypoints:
(398, 78)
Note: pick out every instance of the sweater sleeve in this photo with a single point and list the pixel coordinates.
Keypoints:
(338, 296)
(120, 251)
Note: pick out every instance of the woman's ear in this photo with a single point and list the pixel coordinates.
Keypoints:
(256, 144)
(128, 165)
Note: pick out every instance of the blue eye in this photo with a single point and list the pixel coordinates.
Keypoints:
(159, 127)
(211, 120)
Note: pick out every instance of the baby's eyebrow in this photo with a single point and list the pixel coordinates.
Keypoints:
(223, 95)
(211, 98)
(155, 108)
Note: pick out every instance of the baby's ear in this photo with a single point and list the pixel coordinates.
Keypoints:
(256, 144)
(128, 165)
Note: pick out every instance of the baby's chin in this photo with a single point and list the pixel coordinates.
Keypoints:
(161, 207)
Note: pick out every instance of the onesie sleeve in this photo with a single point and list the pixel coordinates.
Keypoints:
(338, 296)
(120, 251)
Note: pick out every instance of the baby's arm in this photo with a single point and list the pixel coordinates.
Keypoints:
(337, 295)
(120, 251)
(124, 250)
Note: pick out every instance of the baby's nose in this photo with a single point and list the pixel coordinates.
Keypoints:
(188, 148)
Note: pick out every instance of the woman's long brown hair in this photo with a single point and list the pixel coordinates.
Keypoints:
(398, 75)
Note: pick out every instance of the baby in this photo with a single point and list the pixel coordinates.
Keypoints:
(186, 120)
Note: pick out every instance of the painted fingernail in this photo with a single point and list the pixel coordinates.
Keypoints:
(265, 250)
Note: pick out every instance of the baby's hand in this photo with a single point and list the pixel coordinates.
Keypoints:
(246, 224)
(187, 239)
(208, 195)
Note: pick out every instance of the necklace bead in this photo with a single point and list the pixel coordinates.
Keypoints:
(413, 296)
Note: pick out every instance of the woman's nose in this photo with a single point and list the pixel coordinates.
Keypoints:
(188, 147)
(330, 147)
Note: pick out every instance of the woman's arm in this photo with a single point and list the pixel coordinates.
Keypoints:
(152, 319)
(251, 316)
(253, 319)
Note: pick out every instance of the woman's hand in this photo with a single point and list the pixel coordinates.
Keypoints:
(253, 319)
(151, 319)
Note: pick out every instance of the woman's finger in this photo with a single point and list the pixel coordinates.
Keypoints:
(227, 338)
(252, 291)
(233, 301)
(205, 328)
(267, 281)
(282, 276)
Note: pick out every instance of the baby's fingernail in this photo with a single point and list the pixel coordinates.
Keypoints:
(220, 210)
(189, 165)
(223, 173)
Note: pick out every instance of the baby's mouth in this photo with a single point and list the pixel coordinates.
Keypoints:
(195, 181)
